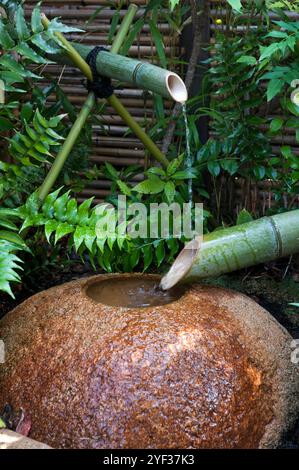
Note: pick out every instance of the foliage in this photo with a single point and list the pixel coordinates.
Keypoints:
(31, 130)
(61, 216)
(30, 41)
(239, 68)
(35, 142)
(238, 113)
(10, 243)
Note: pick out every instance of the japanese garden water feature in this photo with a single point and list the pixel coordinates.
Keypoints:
(113, 361)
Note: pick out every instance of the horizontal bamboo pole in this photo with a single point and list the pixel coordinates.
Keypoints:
(135, 72)
(114, 161)
(85, 13)
(238, 247)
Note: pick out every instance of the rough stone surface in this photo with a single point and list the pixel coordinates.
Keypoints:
(210, 370)
(13, 440)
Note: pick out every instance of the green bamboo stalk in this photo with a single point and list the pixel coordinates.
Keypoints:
(241, 246)
(238, 247)
(124, 28)
(66, 148)
(135, 72)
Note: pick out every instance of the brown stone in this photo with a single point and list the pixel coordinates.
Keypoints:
(211, 369)
(13, 440)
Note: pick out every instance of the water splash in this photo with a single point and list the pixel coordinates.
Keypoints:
(189, 159)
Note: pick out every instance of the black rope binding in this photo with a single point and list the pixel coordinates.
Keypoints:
(100, 86)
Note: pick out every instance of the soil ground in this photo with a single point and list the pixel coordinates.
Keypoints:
(274, 287)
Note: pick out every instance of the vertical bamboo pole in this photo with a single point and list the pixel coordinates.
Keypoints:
(66, 148)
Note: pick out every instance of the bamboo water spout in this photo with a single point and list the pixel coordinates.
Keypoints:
(237, 247)
(134, 72)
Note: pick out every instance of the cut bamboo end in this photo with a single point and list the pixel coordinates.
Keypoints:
(182, 264)
(176, 87)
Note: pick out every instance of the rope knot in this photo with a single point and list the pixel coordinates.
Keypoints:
(101, 86)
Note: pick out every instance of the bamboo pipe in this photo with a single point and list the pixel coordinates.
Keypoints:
(135, 72)
(238, 247)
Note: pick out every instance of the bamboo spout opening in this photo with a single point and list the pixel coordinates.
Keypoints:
(176, 88)
(182, 264)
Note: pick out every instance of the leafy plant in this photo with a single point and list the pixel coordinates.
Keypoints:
(10, 243)
(30, 41)
(240, 67)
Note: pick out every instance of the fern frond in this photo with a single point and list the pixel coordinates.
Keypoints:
(36, 142)
(61, 216)
(10, 243)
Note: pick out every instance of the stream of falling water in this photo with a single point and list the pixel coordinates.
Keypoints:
(189, 160)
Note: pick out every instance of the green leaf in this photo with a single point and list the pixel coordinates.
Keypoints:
(55, 26)
(276, 124)
(235, 4)
(83, 212)
(135, 30)
(111, 170)
(155, 170)
(158, 40)
(244, 217)
(147, 256)
(50, 227)
(13, 238)
(21, 26)
(5, 39)
(268, 51)
(26, 51)
(62, 230)
(124, 188)
(259, 172)
(36, 24)
(134, 258)
(39, 41)
(113, 26)
(5, 124)
(152, 185)
(60, 207)
(277, 34)
(213, 167)
(169, 190)
(287, 152)
(79, 237)
(247, 59)
(32, 204)
(274, 87)
(173, 4)
(185, 174)
(175, 164)
(72, 211)
(48, 205)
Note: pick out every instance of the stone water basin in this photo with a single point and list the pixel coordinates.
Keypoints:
(112, 362)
